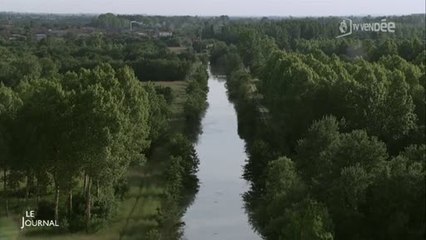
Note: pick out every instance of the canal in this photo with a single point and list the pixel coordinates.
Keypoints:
(217, 212)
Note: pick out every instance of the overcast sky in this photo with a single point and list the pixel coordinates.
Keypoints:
(220, 7)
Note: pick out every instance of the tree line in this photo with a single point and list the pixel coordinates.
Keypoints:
(150, 58)
(84, 128)
(181, 182)
(77, 112)
(335, 139)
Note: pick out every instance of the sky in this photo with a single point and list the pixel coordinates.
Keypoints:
(220, 7)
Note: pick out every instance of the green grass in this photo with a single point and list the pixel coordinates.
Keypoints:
(179, 94)
(8, 229)
(136, 213)
(178, 50)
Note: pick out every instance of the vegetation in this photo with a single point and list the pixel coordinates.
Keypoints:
(83, 133)
(98, 124)
(334, 132)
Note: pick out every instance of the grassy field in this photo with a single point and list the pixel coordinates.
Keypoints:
(178, 50)
(178, 90)
(179, 94)
(8, 229)
(137, 213)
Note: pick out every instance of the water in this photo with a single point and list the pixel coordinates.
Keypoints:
(218, 209)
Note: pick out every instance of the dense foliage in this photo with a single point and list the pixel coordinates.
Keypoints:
(334, 127)
(79, 111)
(90, 124)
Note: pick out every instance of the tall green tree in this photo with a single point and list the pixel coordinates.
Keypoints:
(9, 106)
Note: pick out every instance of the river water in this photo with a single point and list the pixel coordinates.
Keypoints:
(217, 212)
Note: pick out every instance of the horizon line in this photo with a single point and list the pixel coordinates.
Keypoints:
(206, 15)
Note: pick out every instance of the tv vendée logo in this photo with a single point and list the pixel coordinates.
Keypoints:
(29, 221)
(347, 27)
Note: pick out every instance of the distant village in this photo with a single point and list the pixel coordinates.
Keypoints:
(12, 29)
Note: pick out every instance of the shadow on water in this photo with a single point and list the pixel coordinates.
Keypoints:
(218, 72)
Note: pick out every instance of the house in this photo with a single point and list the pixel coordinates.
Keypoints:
(40, 36)
(17, 37)
(165, 34)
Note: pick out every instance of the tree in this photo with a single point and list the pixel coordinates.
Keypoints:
(158, 114)
(181, 148)
(283, 187)
(111, 21)
(110, 125)
(400, 116)
(308, 220)
(339, 168)
(9, 106)
(45, 114)
(27, 66)
(320, 136)
(395, 202)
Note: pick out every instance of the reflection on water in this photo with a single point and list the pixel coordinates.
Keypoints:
(218, 209)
